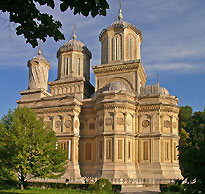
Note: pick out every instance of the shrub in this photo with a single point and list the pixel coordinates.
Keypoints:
(164, 187)
(102, 185)
(171, 187)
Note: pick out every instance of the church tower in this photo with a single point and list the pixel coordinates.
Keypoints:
(73, 69)
(120, 56)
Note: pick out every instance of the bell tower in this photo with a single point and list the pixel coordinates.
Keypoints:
(73, 69)
(120, 56)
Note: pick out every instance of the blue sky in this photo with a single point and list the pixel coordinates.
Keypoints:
(173, 46)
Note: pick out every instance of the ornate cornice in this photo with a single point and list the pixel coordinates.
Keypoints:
(109, 69)
(56, 109)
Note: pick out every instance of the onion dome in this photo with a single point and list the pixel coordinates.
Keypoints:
(153, 89)
(74, 45)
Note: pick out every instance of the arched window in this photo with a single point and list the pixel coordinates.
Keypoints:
(70, 64)
(78, 66)
(116, 48)
(130, 48)
(66, 61)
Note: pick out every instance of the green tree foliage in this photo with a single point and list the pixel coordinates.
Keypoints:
(34, 24)
(192, 150)
(28, 147)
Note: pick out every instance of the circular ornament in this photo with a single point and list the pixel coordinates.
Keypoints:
(174, 124)
(167, 124)
(76, 124)
(58, 124)
(145, 123)
(67, 123)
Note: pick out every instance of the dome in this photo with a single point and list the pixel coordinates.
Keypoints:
(114, 86)
(74, 45)
(39, 57)
(153, 89)
(122, 24)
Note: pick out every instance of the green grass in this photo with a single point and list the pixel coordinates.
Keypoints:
(45, 191)
(170, 192)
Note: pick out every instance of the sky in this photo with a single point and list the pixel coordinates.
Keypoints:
(173, 46)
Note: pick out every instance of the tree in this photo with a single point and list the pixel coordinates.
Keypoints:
(34, 24)
(192, 153)
(28, 148)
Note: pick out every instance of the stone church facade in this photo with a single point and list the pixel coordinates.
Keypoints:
(122, 128)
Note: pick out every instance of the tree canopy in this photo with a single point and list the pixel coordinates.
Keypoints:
(192, 149)
(28, 147)
(34, 24)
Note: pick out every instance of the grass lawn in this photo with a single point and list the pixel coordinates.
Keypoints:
(170, 193)
(38, 190)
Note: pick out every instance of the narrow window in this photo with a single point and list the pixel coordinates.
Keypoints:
(166, 151)
(100, 150)
(129, 150)
(67, 66)
(120, 151)
(113, 49)
(130, 48)
(145, 150)
(78, 66)
(175, 151)
(70, 63)
(88, 151)
(69, 149)
(117, 48)
(109, 149)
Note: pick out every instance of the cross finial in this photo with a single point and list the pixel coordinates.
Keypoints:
(39, 48)
(74, 32)
(120, 17)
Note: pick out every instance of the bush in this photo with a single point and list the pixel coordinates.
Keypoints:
(171, 187)
(102, 185)
(164, 187)
(175, 188)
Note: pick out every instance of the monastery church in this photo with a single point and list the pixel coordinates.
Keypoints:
(121, 128)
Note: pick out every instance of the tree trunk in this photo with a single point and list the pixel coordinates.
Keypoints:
(21, 186)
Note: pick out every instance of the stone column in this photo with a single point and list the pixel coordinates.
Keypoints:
(171, 125)
(108, 50)
(133, 123)
(72, 150)
(104, 149)
(139, 123)
(151, 123)
(152, 150)
(125, 149)
(72, 120)
(115, 149)
(162, 122)
(125, 121)
(123, 48)
(62, 123)
(114, 120)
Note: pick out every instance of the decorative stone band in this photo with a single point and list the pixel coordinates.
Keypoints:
(115, 68)
(115, 181)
